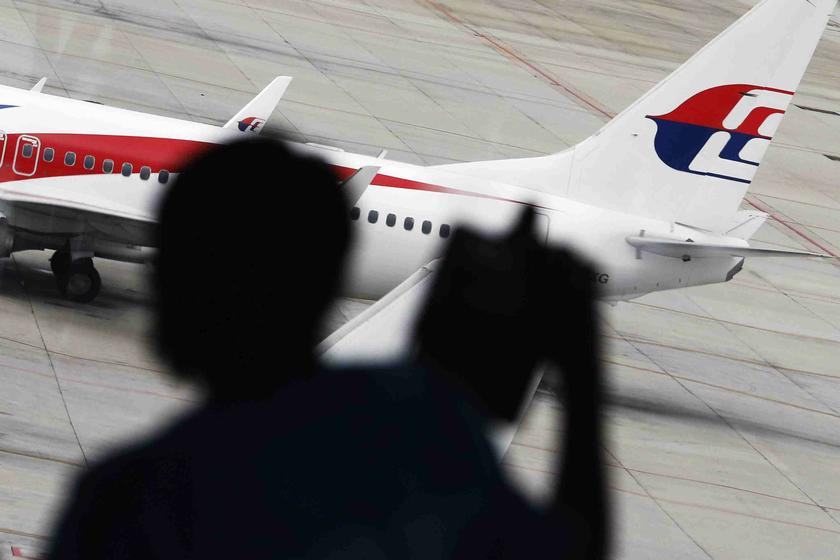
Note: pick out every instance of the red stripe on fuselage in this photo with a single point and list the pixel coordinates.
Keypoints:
(156, 153)
(344, 173)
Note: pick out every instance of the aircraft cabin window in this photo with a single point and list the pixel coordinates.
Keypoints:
(27, 150)
(445, 230)
(373, 216)
(108, 166)
(90, 161)
(391, 220)
(127, 169)
(70, 159)
(409, 224)
(49, 155)
(427, 227)
(163, 177)
(355, 213)
(145, 172)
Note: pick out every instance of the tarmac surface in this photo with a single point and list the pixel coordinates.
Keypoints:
(725, 400)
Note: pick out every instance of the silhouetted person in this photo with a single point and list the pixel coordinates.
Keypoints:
(287, 460)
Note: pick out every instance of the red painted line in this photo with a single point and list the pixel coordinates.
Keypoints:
(156, 153)
(344, 173)
(17, 552)
(512, 54)
(778, 220)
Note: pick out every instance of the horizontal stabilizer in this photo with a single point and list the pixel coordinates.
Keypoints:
(256, 113)
(687, 249)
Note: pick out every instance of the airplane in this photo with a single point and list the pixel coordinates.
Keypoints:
(652, 197)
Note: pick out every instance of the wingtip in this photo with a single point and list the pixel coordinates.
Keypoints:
(37, 88)
(282, 81)
(258, 111)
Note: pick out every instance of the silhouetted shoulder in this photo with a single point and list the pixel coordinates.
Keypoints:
(114, 505)
(380, 460)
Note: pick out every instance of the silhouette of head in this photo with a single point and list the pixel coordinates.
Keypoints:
(252, 242)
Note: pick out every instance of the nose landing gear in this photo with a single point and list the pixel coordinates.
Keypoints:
(77, 280)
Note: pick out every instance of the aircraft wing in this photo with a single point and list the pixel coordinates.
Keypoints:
(383, 332)
(43, 215)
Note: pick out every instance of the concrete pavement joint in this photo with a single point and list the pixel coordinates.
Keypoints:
(52, 365)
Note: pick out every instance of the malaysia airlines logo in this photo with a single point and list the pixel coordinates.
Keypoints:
(721, 132)
(251, 124)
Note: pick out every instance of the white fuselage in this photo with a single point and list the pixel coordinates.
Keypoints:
(383, 255)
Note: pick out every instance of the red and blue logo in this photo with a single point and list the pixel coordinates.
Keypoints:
(688, 130)
(251, 124)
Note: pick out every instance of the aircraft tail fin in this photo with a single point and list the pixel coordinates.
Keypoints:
(255, 114)
(688, 149)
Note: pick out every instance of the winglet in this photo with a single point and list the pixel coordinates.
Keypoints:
(39, 86)
(356, 185)
(255, 114)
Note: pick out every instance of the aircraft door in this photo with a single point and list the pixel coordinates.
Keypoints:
(542, 223)
(27, 152)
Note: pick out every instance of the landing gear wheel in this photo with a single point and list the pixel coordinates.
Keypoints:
(60, 263)
(81, 282)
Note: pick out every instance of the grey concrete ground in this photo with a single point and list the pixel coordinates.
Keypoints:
(725, 416)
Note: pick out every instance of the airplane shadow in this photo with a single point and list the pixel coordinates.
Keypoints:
(31, 283)
(665, 410)
(635, 404)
